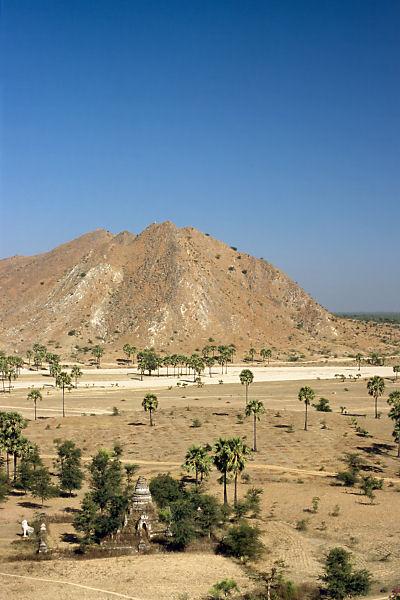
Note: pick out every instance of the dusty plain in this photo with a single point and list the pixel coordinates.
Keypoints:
(290, 467)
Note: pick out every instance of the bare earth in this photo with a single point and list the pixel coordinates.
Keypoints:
(291, 468)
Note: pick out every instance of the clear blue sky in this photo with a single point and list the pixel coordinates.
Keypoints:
(272, 125)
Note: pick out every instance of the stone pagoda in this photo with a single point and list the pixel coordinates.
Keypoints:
(140, 520)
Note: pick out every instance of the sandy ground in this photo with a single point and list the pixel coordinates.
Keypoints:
(291, 468)
(130, 379)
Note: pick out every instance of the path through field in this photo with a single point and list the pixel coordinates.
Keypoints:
(78, 585)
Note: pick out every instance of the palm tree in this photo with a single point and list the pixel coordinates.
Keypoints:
(76, 373)
(221, 361)
(396, 370)
(198, 460)
(358, 360)
(306, 395)
(246, 378)
(239, 453)
(394, 414)
(376, 387)
(222, 456)
(150, 404)
(255, 408)
(63, 380)
(97, 352)
(252, 353)
(209, 361)
(266, 354)
(167, 362)
(35, 395)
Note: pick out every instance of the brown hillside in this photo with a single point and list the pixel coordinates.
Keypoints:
(168, 287)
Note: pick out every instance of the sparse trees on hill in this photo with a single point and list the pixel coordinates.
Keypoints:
(255, 408)
(246, 378)
(376, 387)
(306, 395)
(150, 404)
(35, 395)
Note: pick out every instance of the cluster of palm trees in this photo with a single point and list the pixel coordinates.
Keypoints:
(265, 353)
(376, 388)
(148, 360)
(10, 367)
(12, 442)
(229, 456)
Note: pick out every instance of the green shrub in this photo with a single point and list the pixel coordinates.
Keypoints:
(322, 405)
(165, 489)
(340, 579)
(347, 478)
(242, 541)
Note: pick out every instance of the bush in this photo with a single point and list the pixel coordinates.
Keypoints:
(302, 525)
(322, 405)
(242, 541)
(340, 579)
(347, 478)
(223, 589)
(165, 489)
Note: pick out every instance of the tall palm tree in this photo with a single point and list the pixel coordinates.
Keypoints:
(222, 456)
(150, 404)
(35, 395)
(306, 395)
(396, 370)
(394, 414)
(239, 453)
(197, 459)
(246, 378)
(358, 360)
(76, 373)
(255, 408)
(55, 369)
(63, 380)
(376, 387)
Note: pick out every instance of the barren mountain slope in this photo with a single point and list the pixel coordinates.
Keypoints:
(167, 287)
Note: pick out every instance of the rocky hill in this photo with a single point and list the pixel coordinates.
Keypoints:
(168, 287)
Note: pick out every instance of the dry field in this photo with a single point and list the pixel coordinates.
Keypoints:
(291, 468)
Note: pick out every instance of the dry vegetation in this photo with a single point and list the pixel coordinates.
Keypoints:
(292, 466)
